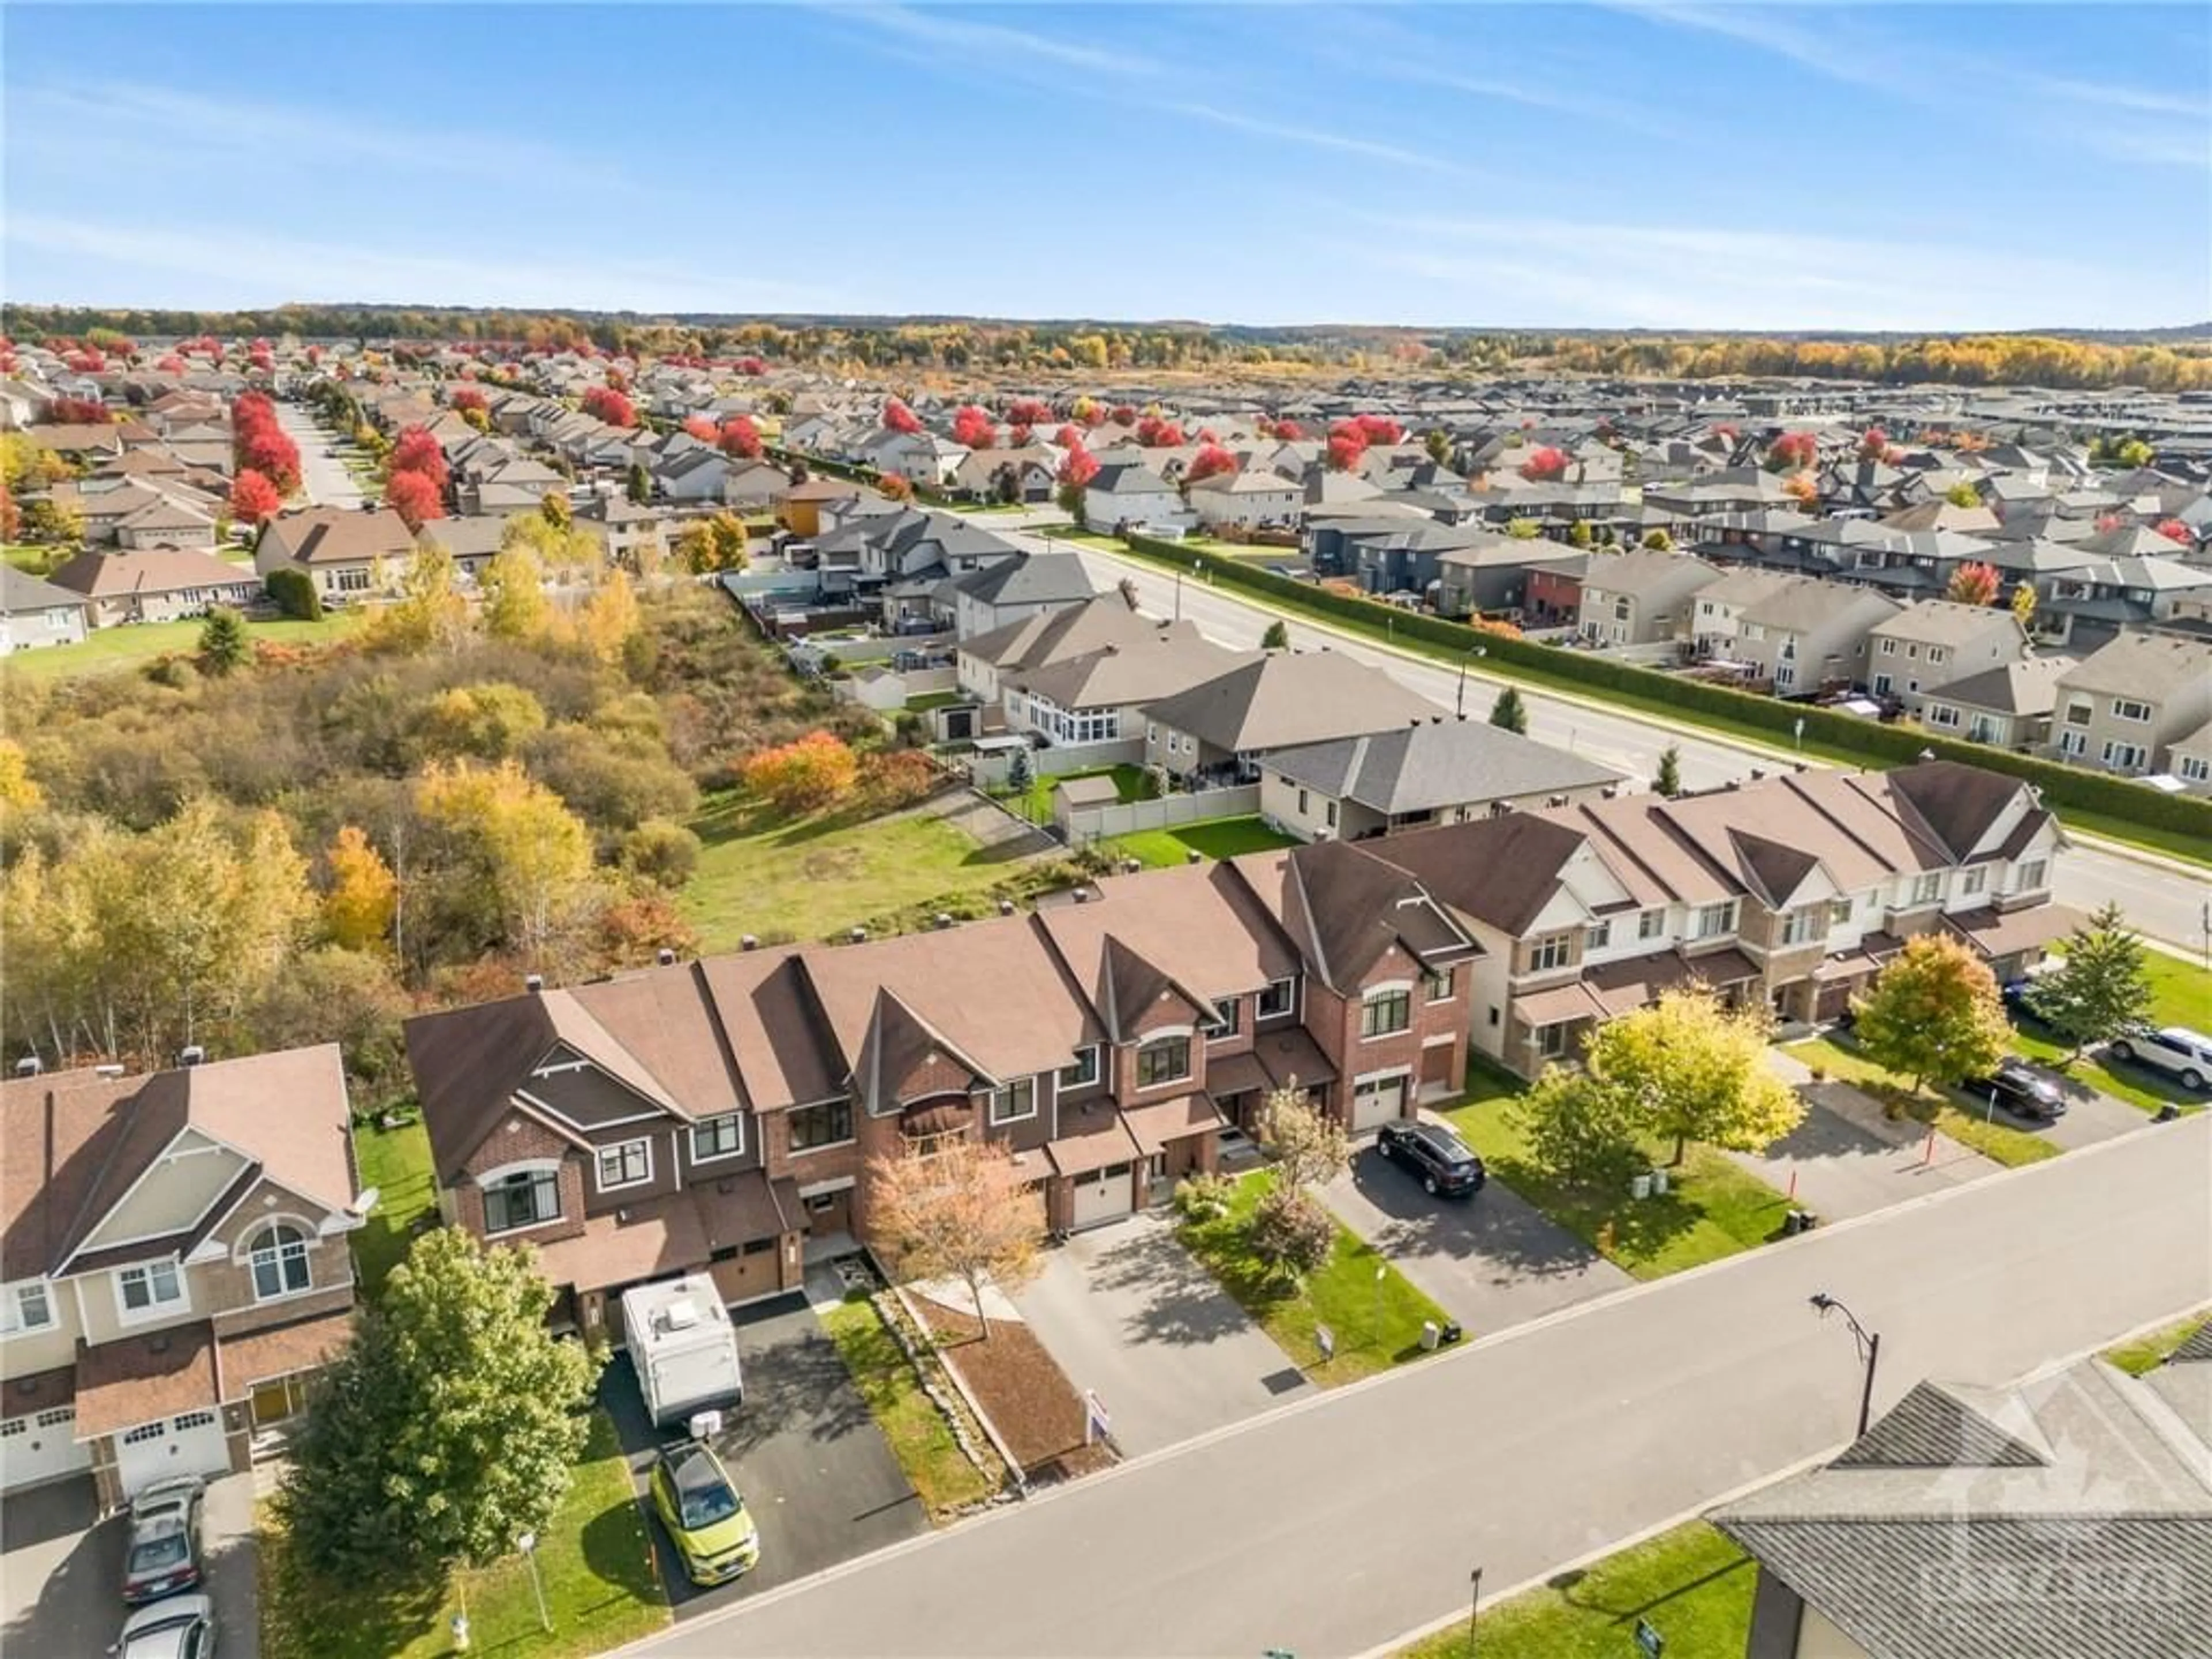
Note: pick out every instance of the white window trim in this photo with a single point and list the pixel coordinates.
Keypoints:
(248, 1257)
(1290, 1006)
(739, 1150)
(1166, 1035)
(11, 1304)
(599, 1182)
(1092, 1058)
(125, 1314)
(998, 1118)
(1388, 988)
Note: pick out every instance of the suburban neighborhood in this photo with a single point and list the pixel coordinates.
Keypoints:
(771, 972)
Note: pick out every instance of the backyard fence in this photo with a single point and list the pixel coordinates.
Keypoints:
(1085, 824)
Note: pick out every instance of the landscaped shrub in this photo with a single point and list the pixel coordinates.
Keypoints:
(1201, 1196)
(293, 593)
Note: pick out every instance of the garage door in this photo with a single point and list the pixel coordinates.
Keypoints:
(40, 1446)
(1376, 1100)
(1103, 1196)
(190, 1444)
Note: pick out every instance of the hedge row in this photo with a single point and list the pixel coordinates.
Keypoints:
(2062, 787)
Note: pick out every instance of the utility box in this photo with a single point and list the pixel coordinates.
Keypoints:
(683, 1348)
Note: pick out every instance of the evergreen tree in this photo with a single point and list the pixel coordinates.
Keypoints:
(1509, 712)
(2101, 988)
(640, 488)
(1278, 636)
(1669, 781)
(223, 647)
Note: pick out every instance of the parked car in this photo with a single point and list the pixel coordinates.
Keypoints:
(162, 1555)
(2020, 1090)
(182, 1627)
(1439, 1157)
(705, 1518)
(2176, 1050)
(2016, 993)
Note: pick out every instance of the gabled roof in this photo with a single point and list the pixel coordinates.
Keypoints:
(2029, 686)
(1289, 697)
(1418, 769)
(1033, 579)
(98, 574)
(22, 593)
(1956, 804)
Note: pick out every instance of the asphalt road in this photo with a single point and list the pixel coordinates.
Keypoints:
(322, 477)
(1333, 1526)
(2162, 900)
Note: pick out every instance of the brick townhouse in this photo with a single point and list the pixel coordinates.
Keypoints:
(722, 1114)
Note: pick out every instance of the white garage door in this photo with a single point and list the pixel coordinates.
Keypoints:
(40, 1446)
(190, 1444)
(1103, 1196)
(1376, 1100)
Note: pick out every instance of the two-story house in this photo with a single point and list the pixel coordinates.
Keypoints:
(174, 1249)
(1809, 634)
(1132, 493)
(1246, 499)
(1645, 597)
(1934, 642)
(2121, 707)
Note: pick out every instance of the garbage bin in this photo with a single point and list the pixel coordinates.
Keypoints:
(1793, 1222)
(1639, 1186)
(1430, 1336)
(1659, 1183)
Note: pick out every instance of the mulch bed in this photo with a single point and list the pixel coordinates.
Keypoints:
(1028, 1397)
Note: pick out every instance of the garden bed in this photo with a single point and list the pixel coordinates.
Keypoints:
(1021, 1389)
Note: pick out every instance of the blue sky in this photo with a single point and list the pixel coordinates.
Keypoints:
(1664, 166)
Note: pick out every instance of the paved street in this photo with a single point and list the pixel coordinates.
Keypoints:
(2165, 901)
(323, 479)
(1334, 1525)
(1131, 1316)
(60, 1574)
(1489, 1261)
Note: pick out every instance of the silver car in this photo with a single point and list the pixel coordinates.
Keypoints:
(182, 1627)
(161, 1555)
(2176, 1050)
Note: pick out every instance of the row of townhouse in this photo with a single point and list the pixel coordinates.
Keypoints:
(722, 1116)
(175, 1254)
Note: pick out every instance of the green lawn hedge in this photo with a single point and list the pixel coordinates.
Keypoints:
(1877, 746)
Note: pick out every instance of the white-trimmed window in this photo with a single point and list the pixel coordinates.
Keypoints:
(1162, 1060)
(718, 1137)
(625, 1163)
(1927, 889)
(1973, 880)
(1224, 1021)
(1549, 952)
(2032, 874)
(28, 1306)
(1012, 1102)
(1386, 1012)
(1805, 923)
(1597, 937)
(830, 1124)
(2127, 756)
(1651, 924)
(277, 1256)
(1442, 984)
(1712, 920)
(1279, 997)
(152, 1288)
(522, 1198)
(2075, 744)
(2130, 708)
(1083, 1071)
(2191, 768)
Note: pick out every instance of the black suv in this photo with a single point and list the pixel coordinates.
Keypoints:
(2019, 1089)
(1440, 1157)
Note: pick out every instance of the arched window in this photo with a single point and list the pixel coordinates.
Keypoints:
(278, 1256)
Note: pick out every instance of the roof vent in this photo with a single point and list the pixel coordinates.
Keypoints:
(1193, 856)
(858, 936)
(533, 982)
(29, 1066)
(1757, 774)
(1082, 895)
(1005, 907)
(750, 942)
(109, 1070)
(665, 956)
(680, 1315)
(943, 918)
(191, 1055)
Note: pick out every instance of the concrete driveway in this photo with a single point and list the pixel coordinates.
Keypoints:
(1131, 1316)
(805, 1452)
(1848, 1159)
(58, 1570)
(1489, 1261)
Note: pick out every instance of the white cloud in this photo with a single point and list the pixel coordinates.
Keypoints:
(969, 39)
(190, 267)
(1319, 138)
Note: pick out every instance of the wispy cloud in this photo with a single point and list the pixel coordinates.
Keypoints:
(2146, 100)
(966, 38)
(186, 265)
(1320, 138)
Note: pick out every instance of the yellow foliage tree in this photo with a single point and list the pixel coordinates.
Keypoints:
(364, 894)
(17, 787)
(609, 616)
(516, 606)
(534, 852)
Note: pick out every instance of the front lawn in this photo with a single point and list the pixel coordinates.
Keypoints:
(1377, 1325)
(2180, 994)
(397, 1163)
(601, 1587)
(1691, 1585)
(2148, 1352)
(133, 644)
(1216, 838)
(919, 1437)
(1713, 1207)
(1987, 1135)
(811, 877)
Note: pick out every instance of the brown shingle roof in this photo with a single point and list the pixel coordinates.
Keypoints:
(330, 535)
(138, 1379)
(101, 575)
(263, 1356)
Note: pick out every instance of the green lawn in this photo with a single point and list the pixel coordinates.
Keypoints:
(36, 558)
(1992, 1139)
(811, 877)
(1034, 803)
(601, 1587)
(1216, 838)
(1692, 1585)
(919, 1437)
(1713, 1208)
(1377, 1325)
(2148, 1352)
(2181, 994)
(106, 649)
(929, 700)
(397, 1163)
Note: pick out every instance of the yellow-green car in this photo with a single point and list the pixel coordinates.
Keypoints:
(705, 1518)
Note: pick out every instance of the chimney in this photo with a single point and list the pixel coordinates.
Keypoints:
(533, 983)
(109, 1070)
(191, 1055)
(29, 1066)
(750, 942)
(665, 956)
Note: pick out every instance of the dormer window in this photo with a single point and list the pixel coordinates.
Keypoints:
(626, 1163)
(1015, 1101)
(1279, 997)
(1223, 1021)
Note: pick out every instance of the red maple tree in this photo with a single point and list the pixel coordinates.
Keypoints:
(1545, 464)
(78, 411)
(1287, 432)
(897, 417)
(741, 438)
(466, 398)
(1080, 468)
(1346, 448)
(2174, 531)
(1155, 432)
(1210, 462)
(1125, 414)
(973, 427)
(701, 427)
(1028, 411)
(609, 405)
(1793, 449)
(253, 498)
(416, 451)
(413, 498)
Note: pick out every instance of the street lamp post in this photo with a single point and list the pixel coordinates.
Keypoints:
(1868, 1344)
(1473, 652)
(1473, 1607)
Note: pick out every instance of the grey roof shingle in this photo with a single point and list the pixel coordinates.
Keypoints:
(1420, 769)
